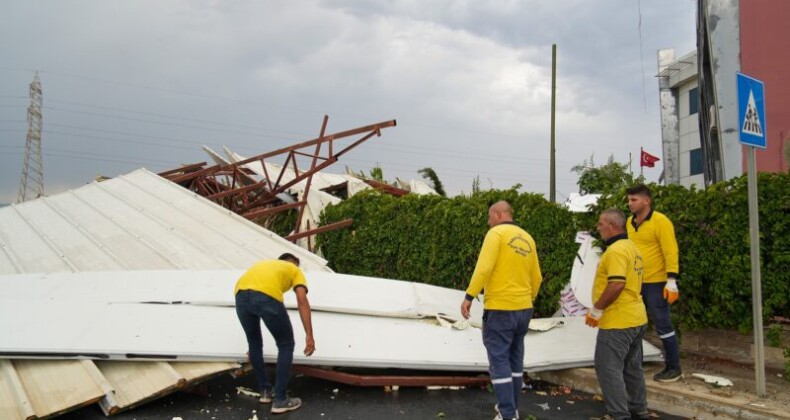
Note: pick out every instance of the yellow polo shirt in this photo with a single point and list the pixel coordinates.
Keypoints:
(621, 262)
(507, 268)
(655, 239)
(271, 277)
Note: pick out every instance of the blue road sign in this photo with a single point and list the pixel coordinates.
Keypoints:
(751, 111)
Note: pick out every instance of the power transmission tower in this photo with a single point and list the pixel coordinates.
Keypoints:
(32, 185)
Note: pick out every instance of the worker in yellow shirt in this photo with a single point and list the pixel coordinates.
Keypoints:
(259, 296)
(654, 235)
(620, 315)
(509, 272)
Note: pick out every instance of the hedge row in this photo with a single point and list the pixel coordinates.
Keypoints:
(436, 240)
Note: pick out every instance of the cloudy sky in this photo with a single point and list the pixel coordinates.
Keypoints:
(130, 84)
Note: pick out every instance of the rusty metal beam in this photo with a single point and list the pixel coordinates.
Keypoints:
(310, 177)
(184, 169)
(252, 195)
(388, 380)
(272, 210)
(322, 229)
(342, 134)
(387, 188)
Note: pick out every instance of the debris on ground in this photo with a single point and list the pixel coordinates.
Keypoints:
(248, 392)
(715, 380)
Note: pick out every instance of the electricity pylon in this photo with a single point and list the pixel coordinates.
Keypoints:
(32, 185)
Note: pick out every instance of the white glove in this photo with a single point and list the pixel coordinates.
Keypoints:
(671, 293)
(593, 316)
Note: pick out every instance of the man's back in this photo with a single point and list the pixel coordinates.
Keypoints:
(271, 277)
(507, 268)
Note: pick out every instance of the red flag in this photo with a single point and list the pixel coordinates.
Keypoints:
(648, 160)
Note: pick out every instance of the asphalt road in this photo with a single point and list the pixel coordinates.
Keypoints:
(218, 399)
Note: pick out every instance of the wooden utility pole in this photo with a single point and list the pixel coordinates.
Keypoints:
(552, 167)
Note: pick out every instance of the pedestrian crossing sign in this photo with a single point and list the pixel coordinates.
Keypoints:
(751, 111)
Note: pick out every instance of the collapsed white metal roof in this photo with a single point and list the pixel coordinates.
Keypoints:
(141, 221)
(188, 315)
(138, 221)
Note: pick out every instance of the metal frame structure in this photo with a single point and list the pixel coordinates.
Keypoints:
(240, 190)
(390, 380)
(32, 183)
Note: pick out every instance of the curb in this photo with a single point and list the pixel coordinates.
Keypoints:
(673, 399)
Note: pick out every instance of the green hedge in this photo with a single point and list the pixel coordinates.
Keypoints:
(712, 228)
(436, 240)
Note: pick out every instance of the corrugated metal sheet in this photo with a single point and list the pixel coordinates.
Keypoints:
(138, 221)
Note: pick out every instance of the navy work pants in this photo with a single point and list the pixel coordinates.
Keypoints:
(503, 337)
(251, 308)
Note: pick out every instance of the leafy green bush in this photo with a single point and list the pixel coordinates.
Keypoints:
(712, 229)
(436, 240)
(774, 335)
(787, 363)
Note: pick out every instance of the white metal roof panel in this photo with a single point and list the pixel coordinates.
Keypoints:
(99, 317)
(137, 221)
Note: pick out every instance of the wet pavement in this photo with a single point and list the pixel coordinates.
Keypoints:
(218, 399)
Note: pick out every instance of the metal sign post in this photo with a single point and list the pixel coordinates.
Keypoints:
(751, 108)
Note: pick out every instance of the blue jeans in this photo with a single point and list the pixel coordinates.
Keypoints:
(618, 366)
(503, 338)
(658, 313)
(251, 307)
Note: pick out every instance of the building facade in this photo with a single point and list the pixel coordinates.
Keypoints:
(698, 92)
(679, 97)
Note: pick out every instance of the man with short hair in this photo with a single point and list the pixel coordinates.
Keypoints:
(509, 271)
(259, 296)
(654, 235)
(620, 315)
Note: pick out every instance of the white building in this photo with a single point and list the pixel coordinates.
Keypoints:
(679, 101)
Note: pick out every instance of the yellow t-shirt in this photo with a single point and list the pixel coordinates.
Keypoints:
(507, 268)
(271, 277)
(655, 239)
(621, 262)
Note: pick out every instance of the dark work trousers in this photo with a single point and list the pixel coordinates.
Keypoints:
(658, 313)
(251, 308)
(503, 337)
(618, 366)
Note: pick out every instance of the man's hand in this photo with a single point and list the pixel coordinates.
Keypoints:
(466, 305)
(671, 293)
(309, 346)
(593, 316)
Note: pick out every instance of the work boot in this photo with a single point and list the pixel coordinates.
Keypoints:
(499, 415)
(287, 405)
(645, 415)
(668, 375)
(266, 396)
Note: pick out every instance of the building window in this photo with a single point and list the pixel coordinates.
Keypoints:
(695, 157)
(693, 101)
